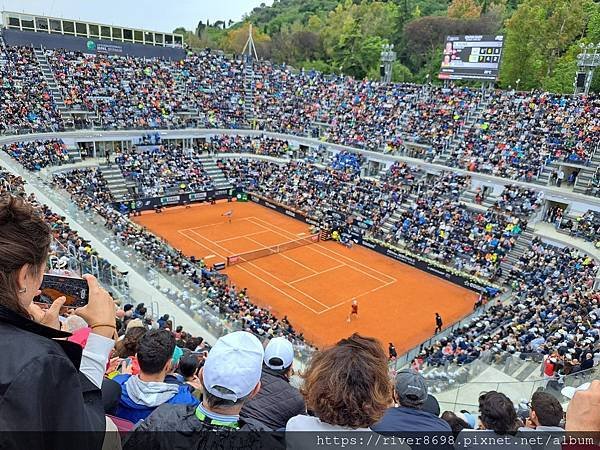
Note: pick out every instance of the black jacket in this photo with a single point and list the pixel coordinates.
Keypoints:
(177, 427)
(276, 402)
(42, 390)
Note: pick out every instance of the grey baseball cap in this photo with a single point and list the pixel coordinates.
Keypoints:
(411, 388)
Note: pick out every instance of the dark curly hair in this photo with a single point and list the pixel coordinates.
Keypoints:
(128, 346)
(348, 384)
(497, 412)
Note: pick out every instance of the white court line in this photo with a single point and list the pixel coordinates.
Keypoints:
(318, 273)
(242, 236)
(356, 296)
(249, 272)
(312, 247)
(287, 257)
(268, 273)
(350, 266)
(219, 224)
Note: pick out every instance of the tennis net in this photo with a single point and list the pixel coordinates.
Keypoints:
(272, 250)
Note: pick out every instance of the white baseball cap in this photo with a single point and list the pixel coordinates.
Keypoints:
(281, 348)
(234, 363)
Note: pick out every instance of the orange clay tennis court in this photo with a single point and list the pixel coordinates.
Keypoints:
(314, 285)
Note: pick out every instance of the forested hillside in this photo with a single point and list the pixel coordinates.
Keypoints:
(346, 36)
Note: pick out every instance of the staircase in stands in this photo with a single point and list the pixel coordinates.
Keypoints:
(215, 173)
(523, 242)
(468, 197)
(188, 108)
(117, 184)
(48, 75)
(249, 84)
(587, 173)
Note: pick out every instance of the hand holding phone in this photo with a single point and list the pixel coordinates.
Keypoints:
(126, 366)
(100, 309)
(75, 291)
(49, 315)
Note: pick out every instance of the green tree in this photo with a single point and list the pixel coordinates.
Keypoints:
(563, 75)
(401, 73)
(319, 65)
(236, 39)
(464, 9)
(200, 28)
(537, 36)
(377, 18)
(353, 34)
(593, 26)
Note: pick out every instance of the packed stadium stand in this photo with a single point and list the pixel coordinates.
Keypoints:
(495, 191)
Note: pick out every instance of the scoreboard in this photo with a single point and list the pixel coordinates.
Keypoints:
(471, 58)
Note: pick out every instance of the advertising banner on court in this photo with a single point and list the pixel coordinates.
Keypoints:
(395, 253)
(282, 209)
(429, 267)
(86, 45)
(150, 203)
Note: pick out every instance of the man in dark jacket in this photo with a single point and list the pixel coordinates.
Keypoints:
(230, 376)
(409, 416)
(277, 401)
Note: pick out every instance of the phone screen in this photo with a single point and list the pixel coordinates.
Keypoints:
(75, 290)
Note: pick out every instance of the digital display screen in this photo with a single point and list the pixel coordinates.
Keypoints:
(471, 58)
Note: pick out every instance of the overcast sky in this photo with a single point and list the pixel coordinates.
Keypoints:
(157, 15)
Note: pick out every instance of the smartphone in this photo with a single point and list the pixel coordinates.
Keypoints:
(75, 290)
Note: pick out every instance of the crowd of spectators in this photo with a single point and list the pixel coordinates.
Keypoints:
(435, 224)
(10, 182)
(519, 201)
(555, 312)
(519, 133)
(84, 183)
(124, 92)
(505, 133)
(585, 226)
(164, 169)
(35, 155)
(214, 89)
(318, 193)
(348, 162)
(261, 145)
(27, 104)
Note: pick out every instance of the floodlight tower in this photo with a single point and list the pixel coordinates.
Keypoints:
(388, 56)
(587, 62)
(249, 55)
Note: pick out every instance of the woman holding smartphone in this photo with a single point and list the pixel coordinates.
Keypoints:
(46, 382)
